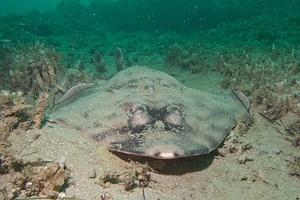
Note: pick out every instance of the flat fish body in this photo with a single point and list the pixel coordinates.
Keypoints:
(146, 112)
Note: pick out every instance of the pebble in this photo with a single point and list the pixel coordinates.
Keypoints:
(62, 162)
(61, 195)
(244, 159)
(28, 185)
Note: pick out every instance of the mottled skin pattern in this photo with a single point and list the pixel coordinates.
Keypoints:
(146, 112)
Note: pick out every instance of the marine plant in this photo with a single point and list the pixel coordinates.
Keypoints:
(6, 60)
(36, 69)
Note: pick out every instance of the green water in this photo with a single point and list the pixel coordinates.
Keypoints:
(148, 32)
(153, 14)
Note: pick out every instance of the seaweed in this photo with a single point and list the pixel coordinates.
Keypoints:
(248, 72)
(40, 110)
(36, 69)
(294, 167)
(38, 179)
(174, 56)
(14, 113)
(25, 179)
(134, 175)
(6, 61)
(192, 59)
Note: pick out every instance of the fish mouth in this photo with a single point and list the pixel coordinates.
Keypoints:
(164, 152)
(161, 152)
(150, 142)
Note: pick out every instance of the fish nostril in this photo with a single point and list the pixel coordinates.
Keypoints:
(139, 117)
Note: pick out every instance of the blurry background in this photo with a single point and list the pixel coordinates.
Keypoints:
(154, 14)
(155, 33)
(23, 6)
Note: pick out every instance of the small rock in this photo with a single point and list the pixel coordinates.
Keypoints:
(61, 195)
(246, 147)
(28, 185)
(106, 196)
(244, 159)
(62, 163)
(232, 149)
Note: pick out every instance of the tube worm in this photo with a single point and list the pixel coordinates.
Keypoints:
(99, 62)
(119, 59)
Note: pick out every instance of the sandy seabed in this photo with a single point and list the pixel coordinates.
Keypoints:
(254, 165)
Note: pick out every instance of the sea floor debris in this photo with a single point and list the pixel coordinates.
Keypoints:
(133, 175)
(294, 167)
(37, 179)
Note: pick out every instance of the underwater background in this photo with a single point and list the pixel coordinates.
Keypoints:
(155, 33)
(252, 46)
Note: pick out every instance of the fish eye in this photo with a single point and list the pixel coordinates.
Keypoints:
(173, 116)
